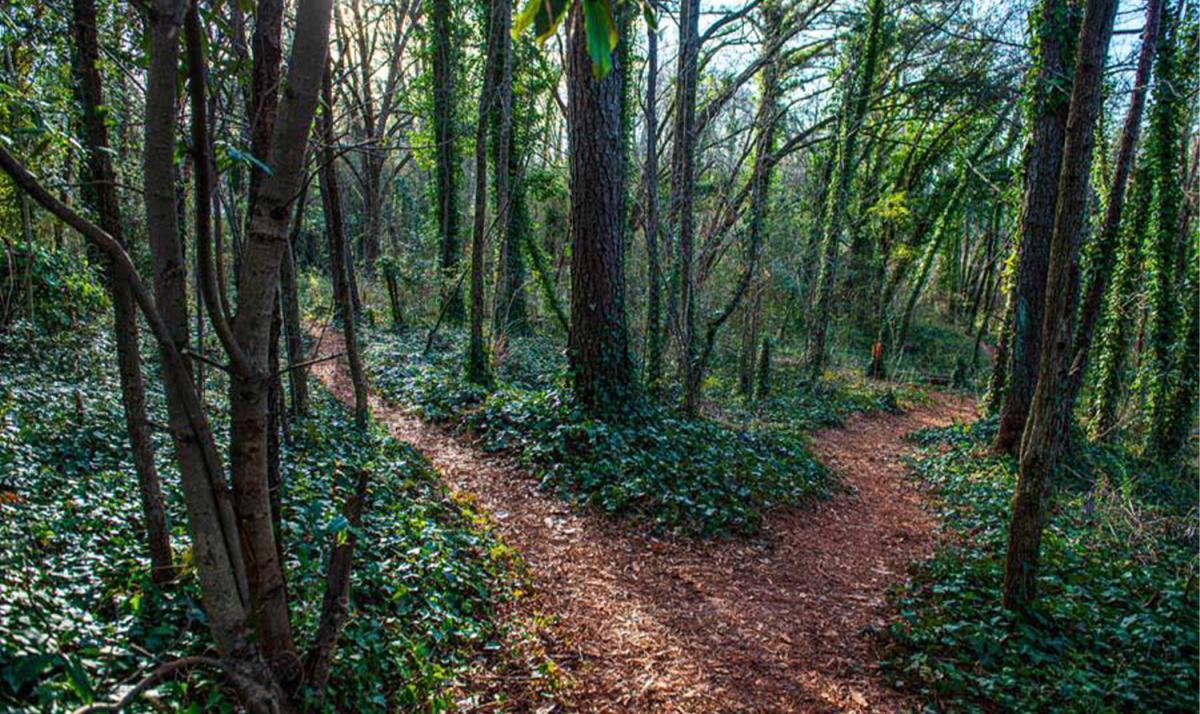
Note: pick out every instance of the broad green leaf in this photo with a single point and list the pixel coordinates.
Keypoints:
(601, 35)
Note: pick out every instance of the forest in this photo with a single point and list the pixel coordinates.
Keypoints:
(600, 356)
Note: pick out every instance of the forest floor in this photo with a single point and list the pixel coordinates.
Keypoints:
(781, 622)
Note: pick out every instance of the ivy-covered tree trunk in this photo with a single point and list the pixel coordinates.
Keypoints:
(1166, 151)
(1181, 412)
(654, 341)
(838, 193)
(445, 135)
(1047, 118)
(683, 181)
(103, 187)
(478, 370)
(1109, 235)
(1051, 414)
(598, 346)
(506, 286)
(510, 313)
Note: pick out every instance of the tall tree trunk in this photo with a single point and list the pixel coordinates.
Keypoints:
(839, 188)
(257, 286)
(339, 252)
(297, 376)
(1048, 122)
(1167, 152)
(1050, 416)
(445, 132)
(478, 370)
(505, 288)
(654, 346)
(1106, 250)
(683, 182)
(749, 341)
(103, 179)
(267, 47)
(598, 346)
(215, 536)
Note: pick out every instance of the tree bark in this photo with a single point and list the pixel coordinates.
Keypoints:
(215, 535)
(839, 189)
(89, 87)
(297, 376)
(267, 47)
(505, 288)
(478, 370)
(1167, 152)
(446, 169)
(598, 346)
(1042, 161)
(257, 286)
(339, 256)
(683, 181)
(1106, 252)
(1050, 416)
(650, 222)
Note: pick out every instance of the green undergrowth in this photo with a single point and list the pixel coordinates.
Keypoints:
(699, 476)
(794, 406)
(78, 614)
(1115, 624)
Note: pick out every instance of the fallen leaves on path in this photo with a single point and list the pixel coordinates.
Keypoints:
(782, 622)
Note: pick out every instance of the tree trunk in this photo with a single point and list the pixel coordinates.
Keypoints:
(339, 254)
(125, 327)
(1043, 158)
(505, 287)
(598, 346)
(1106, 251)
(1050, 416)
(297, 376)
(215, 537)
(683, 181)
(1167, 152)
(477, 359)
(839, 189)
(764, 369)
(650, 221)
(445, 132)
(257, 286)
(267, 47)
(749, 342)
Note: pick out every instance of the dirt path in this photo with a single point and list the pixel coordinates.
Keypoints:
(779, 623)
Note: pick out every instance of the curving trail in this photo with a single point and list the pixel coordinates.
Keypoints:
(779, 623)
